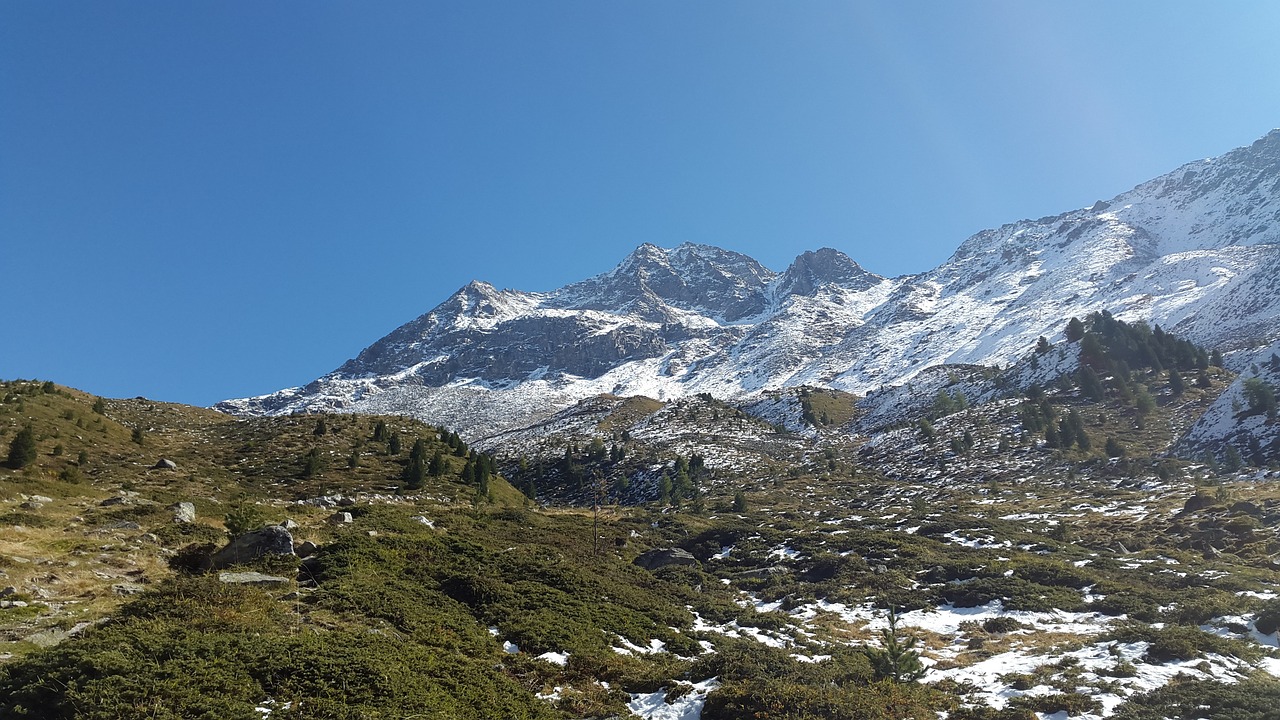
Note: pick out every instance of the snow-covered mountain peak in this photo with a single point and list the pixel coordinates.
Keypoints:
(815, 268)
(1196, 251)
(659, 285)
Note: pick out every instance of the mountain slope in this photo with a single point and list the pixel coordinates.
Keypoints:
(1194, 251)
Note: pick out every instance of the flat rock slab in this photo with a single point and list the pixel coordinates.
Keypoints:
(255, 579)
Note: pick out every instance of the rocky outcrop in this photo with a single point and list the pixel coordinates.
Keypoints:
(269, 540)
(663, 557)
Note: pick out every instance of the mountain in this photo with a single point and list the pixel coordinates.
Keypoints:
(1196, 251)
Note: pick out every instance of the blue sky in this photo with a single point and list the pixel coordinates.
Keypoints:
(203, 200)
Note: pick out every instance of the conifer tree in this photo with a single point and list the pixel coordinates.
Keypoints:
(897, 659)
(1066, 434)
(22, 449)
(1051, 437)
(312, 463)
(927, 432)
(1075, 330)
(1231, 461)
(1077, 430)
(664, 489)
(1143, 403)
(418, 451)
(415, 474)
(1091, 384)
(436, 467)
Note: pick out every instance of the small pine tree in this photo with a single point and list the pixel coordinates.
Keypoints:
(1231, 461)
(312, 463)
(1051, 438)
(927, 432)
(137, 436)
(1066, 434)
(897, 659)
(739, 501)
(1113, 448)
(1260, 396)
(1078, 432)
(1176, 384)
(1091, 384)
(22, 449)
(1075, 330)
(1215, 358)
(243, 518)
(100, 406)
(436, 467)
(1043, 346)
(393, 444)
(664, 489)
(321, 427)
(1143, 403)
(380, 431)
(415, 475)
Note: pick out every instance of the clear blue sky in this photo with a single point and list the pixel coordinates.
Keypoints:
(202, 200)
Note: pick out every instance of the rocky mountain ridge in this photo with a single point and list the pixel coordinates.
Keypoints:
(1196, 251)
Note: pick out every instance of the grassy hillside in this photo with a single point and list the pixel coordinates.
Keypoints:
(1028, 579)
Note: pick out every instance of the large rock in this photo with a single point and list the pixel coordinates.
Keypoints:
(662, 557)
(269, 540)
(165, 464)
(183, 512)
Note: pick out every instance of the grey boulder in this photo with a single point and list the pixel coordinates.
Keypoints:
(269, 540)
(662, 557)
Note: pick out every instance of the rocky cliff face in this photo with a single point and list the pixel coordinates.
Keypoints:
(1196, 251)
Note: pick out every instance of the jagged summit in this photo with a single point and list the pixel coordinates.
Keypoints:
(1196, 250)
(814, 269)
(659, 285)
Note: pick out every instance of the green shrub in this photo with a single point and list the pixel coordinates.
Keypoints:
(1181, 642)
(243, 518)
(1074, 704)
(1002, 624)
(1253, 699)
(768, 698)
